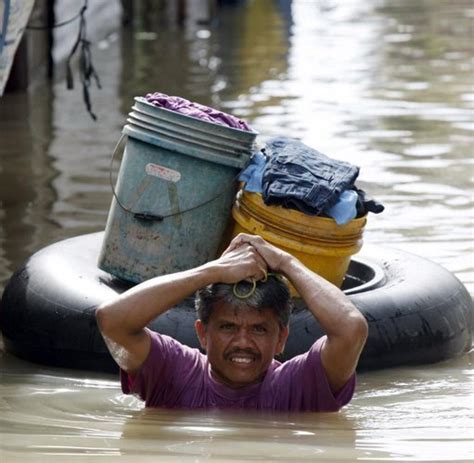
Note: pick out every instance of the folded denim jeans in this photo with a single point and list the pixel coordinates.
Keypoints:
(299, 177)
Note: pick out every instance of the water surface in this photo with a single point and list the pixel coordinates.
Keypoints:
(386, 85)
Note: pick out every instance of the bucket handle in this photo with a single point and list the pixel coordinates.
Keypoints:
(147, 216)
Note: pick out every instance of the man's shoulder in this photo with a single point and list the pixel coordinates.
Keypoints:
(171, 359)
(312, 355)
(167, 346)
(296, 372)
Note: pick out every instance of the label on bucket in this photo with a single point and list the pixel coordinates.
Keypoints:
(169, 175)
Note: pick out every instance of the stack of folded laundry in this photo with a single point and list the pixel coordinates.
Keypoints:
(289, 173)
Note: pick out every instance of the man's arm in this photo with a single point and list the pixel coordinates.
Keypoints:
(345, 327)
(122, 321)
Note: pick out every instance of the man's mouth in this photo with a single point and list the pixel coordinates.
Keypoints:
(242, 358)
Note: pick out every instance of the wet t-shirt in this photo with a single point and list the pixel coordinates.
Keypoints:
(176, 376)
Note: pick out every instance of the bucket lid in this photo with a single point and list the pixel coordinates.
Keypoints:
(164, 128)
(193, 123)
(189, 135)
(183, 146)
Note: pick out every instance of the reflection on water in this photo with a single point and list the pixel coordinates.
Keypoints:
(398, 415)
(386, 85)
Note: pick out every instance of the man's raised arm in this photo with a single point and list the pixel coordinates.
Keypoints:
(345, 327)
(122, 321)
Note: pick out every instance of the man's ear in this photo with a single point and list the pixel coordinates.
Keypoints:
(200, 328)
(282, 337)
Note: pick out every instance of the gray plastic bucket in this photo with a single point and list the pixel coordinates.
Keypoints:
(174, 192)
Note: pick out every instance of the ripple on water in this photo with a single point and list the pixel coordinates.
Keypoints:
(402, 111)
(65, 414)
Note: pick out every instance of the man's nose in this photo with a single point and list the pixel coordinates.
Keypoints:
(242, 338)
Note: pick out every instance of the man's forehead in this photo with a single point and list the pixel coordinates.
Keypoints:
(242, 313)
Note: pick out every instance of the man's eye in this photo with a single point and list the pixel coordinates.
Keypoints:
(227, 326)
(259, 329)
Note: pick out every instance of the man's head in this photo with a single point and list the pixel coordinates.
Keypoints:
(242, 335)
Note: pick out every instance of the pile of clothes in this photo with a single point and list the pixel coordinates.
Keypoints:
(196, 110)
(289, 173)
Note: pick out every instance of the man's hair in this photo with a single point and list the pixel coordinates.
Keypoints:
(270, 294)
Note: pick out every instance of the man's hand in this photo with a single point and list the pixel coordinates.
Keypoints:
(240, 262)
(274, 258)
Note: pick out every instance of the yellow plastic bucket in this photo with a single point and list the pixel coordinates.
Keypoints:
(322, 245)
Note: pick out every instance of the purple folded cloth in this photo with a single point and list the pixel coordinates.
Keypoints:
(199, 111)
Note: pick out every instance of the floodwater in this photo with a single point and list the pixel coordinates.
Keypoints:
(386, 84)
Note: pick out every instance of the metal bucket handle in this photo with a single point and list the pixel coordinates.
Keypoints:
(146, 216)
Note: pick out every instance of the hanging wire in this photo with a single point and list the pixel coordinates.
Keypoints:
(87, 71)
(54, 26)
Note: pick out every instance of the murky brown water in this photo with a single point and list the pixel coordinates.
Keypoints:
(387, 85)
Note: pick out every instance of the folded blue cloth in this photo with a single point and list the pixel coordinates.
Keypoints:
(345, 208)
(253, 173)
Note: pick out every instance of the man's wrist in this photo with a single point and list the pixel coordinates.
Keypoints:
(208, 273)
(288, 265)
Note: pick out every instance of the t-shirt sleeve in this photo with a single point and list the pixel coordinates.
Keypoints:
(163, 375)
(301, 384)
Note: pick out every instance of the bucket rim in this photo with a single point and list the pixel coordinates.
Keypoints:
(147, 136)
(194, 120)
(253, 203)
(228, 146)
(292, 242)
(292, 239)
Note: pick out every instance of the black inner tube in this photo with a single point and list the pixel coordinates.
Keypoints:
(417, 311)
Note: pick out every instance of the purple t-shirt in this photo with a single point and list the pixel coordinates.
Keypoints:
(177, 376)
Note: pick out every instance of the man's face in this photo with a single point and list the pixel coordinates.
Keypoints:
(241, 343)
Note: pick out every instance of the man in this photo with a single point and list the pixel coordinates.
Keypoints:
(242, 326)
